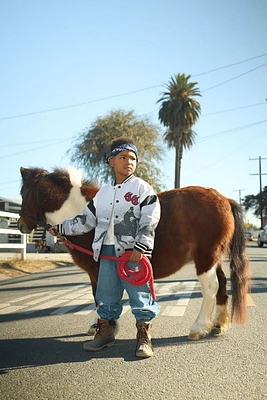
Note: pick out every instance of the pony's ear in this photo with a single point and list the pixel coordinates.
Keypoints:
(25, 172)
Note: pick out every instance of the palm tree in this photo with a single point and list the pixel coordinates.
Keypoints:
(179, 111)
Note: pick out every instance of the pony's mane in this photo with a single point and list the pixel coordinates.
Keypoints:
(73, 176)
(73, 191)
(32, 174)
(65, 179)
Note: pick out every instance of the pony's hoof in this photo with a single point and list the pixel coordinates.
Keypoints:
(217, 330)
(194, 335)
(220, 329)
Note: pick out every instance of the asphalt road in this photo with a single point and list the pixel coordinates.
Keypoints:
(44, 318)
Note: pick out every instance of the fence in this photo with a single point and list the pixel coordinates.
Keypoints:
(9, 231)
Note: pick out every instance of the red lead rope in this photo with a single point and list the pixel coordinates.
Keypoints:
(139, 277)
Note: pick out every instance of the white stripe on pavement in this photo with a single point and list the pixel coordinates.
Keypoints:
(65, 300)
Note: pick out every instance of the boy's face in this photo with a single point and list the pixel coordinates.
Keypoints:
(124, 164)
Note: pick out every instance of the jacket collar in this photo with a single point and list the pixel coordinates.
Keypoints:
(129, 178)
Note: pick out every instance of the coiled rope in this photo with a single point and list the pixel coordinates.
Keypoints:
(142, 274)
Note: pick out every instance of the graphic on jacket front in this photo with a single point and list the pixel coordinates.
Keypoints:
(127, 227)
(82, 218)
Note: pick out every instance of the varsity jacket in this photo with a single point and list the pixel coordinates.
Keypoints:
(131, 206)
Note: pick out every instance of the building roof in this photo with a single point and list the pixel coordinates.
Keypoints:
(13, 201)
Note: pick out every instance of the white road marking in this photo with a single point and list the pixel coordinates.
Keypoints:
(171, 311)
(41, 299)
(29, 296)
(69, 306)
(250, 302)
(126, 307)
(11, 309)
(4, 305)
(86, 310)
(80, 296)
(179, 308)
(45, 306)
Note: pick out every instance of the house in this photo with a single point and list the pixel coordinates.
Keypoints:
(10, 205)
(14, 206)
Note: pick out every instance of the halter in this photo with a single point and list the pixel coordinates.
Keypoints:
(35, 220)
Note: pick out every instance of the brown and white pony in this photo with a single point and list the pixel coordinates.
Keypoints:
(197, 225)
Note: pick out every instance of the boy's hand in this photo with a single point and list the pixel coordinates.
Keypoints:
(53, 230)
(136, 256)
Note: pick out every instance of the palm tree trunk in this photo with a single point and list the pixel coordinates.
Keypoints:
(177, 166)
(178, 160)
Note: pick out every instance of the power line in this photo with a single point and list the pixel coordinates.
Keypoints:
(135, 91)
(56, 141)
(230, 65)
(233, 109)
(78, 104)
(244, 145)
(235, 77)
(230, 154)
(36, 148)
(142, 115)
(204, 138)
(5, 183)
(218, 112)
(253, 139)
(37, 142)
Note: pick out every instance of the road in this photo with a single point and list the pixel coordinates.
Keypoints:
(44, 319)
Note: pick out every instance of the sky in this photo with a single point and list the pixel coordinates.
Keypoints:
(64, 63)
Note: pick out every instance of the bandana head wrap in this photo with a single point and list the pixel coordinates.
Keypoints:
(117, 150)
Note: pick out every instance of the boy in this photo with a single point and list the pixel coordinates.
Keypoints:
(124, 215)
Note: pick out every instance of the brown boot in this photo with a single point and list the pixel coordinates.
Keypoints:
(104, 336)
(144, 346)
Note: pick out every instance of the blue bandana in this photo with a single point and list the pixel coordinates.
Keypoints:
(117, 150)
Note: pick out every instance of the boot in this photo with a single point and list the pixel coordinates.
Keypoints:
(104, 336)
(144, 346)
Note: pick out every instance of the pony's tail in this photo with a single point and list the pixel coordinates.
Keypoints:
(239, 266)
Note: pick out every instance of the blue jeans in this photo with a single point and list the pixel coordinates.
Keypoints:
(110, 289)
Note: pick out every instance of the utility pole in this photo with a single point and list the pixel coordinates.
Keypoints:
(260, 174)
(239, 190)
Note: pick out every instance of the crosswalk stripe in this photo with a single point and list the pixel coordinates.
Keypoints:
(11, 309)
(28, 296)
(179, 308)
(79, 300)
(183, 301)
(44, 306)
(250, 302)
(126, 307)
(171, 311)
(86, 310)
(41, 299)
(4, 305)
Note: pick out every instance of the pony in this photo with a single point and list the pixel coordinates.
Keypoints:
(198, 225)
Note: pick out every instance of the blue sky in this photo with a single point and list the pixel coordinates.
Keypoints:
(62, 53)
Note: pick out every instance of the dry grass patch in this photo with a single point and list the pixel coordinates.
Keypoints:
(13, 268)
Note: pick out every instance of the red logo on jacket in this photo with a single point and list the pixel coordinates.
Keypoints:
(131, 198)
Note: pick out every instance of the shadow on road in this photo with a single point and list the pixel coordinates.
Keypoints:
(29, 353)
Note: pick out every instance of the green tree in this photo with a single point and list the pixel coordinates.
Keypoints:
(254, 203)
(179, 111)
(91, 145)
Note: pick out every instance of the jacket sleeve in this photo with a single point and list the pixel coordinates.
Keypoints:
(149, 219)
(81, 223)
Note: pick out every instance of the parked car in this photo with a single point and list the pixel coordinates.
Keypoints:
(262, 237)
(248, 235)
